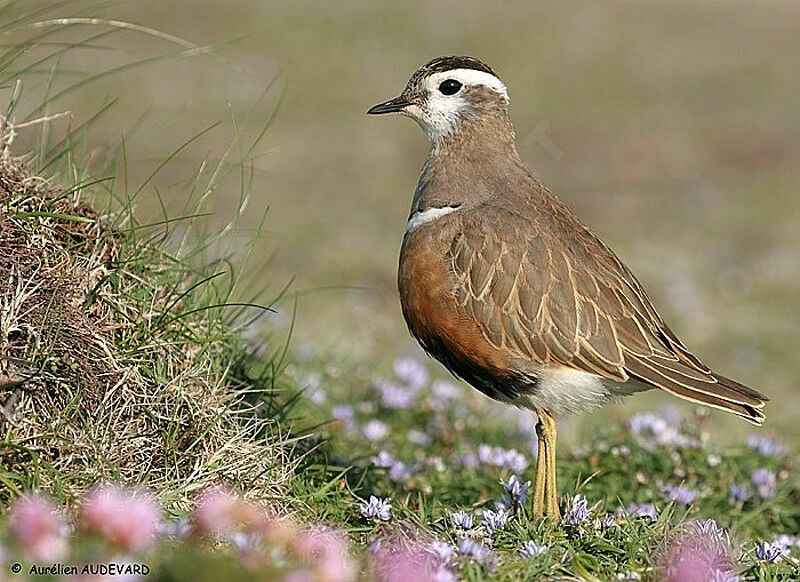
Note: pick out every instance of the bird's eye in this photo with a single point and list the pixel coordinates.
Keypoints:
(450, 87)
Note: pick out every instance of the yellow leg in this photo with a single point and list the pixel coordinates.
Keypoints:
(551, 488)
(545, 491)
(540, 483)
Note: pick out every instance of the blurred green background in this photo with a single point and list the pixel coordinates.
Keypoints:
(671, 127)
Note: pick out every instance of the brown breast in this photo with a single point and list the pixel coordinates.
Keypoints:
(426, 281)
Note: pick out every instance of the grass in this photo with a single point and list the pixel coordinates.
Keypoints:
(121, 352)
(438, 439)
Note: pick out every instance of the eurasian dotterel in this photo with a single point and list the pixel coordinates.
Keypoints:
(507, 288)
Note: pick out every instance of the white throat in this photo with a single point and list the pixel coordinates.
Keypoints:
(421, 217)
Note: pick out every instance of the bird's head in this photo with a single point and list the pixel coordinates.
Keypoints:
(449, 94)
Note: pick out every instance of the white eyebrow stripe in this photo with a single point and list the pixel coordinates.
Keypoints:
(421, 217)
(472, 77)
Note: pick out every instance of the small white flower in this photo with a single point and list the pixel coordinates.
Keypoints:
(375, 430)
(462, 519)
(531, 549)
(377, 509)
(493, 520)
(383, 460)
(578, 511)
(770, 551)
(411, 371)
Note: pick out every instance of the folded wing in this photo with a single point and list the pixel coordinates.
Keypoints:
(559, 296)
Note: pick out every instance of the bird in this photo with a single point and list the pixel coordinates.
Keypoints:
(505, 286)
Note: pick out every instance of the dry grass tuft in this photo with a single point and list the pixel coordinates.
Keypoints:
(114, 363)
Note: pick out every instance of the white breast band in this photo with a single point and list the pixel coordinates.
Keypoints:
(420, 217)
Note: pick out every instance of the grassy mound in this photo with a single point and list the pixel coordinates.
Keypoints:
(117, 359)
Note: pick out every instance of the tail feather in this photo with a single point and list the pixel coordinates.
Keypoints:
(741, 388)
(719, 392)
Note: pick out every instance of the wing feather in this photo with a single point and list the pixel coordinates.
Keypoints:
(572, 302)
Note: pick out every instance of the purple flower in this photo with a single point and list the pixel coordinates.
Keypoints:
(411, 371)
(480, 553)
(763, 481)
(578, 511)
(641, 510)
(445, 392)
(516, 489)
(770, 551)
(738, 493)
(180, 528)
(707, 527)
(680, 494)
(462, 519)
(467, 547)
(383, 460)
(651, 429)
(505, 503)
(377, 509)
(516, 461)
(607, 522)
(511, 459)
(399, 471)
(442, 550)
(345, 414)
(244, 542)
(647, 424)
(485, 453)
(525, 422)
(530, 549)
(470, 460)
(765, 446)
(375, 430)
(493, 520)
(787, 541)
(395, 396)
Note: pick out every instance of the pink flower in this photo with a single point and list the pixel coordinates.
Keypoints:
(694, 556)
(402, 560)
(326, 549)
(281, 531)
(127, 519)
(216, 512)
(300, 576)
(39, 527)
(219, 513)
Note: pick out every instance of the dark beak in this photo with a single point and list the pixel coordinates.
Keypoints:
(390, 106)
